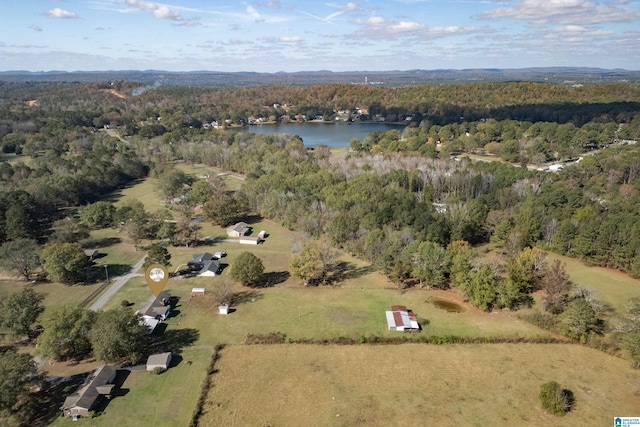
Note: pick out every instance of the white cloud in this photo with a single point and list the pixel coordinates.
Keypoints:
(27, 46)
(291, 39)
(35, 27)
(159, 11)
(377, 27)
(578, 12)
(61, 14)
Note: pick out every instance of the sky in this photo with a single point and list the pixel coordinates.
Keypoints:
(282, 35)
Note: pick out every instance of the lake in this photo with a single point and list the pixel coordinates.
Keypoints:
(335, 135)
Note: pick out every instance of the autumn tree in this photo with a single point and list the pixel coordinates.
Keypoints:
(556, 286)
(306, 264)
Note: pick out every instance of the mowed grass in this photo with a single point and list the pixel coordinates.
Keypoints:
(162, 400)
(612, 286)
(413, 384)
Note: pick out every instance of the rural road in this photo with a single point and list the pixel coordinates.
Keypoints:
(115, 287)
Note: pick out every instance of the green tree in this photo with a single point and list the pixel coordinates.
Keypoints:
(19, 311)
(580, 320)
(64, 262)
(223, 210)
(66, 332)
(119, 335)
(98, 215)
(554, 399)
(21, 256)
(21, 223)
(69, 230)
(630, 336)
(463, 259)
(430, 264)
(201, 192)
(157, 255)
(248, 269)
(481, 288)
(18, 373)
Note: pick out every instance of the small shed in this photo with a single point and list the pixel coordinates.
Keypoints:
(223, 309)
(160, 360)
(248, 240)
(262, 234)
(197, 292)
(92, 254)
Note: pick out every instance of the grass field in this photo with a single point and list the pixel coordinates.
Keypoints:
(610, 285)
(310, 385)
(411, 384)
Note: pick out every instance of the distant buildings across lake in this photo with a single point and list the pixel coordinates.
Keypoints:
(335, 135)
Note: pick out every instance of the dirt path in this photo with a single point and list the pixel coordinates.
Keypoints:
(118, 283)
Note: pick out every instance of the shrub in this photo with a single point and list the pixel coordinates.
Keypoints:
(554, 399)
(158, 370)
(124, 303)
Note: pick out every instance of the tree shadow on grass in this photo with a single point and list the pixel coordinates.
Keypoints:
(244, 296)
(100, 243)
(342, 271)
(48, 400)
(271, 278)
(174, 340)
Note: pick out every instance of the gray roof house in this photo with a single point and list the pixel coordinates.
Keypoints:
(99, 383)
(155, 309)
(202, 258)
(237, 230)
(209, 268)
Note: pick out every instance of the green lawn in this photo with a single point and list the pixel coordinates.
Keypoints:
(610, 285)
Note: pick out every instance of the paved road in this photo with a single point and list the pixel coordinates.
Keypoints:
(115, 287)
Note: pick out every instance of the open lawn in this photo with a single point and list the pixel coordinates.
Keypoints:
(412, 384)
(612, 286)
(142, 190)
(54, 293)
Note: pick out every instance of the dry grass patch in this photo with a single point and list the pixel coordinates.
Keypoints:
(414, 385)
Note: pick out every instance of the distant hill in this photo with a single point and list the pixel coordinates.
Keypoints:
(560, 75)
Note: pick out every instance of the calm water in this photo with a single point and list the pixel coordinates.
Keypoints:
(337, 135)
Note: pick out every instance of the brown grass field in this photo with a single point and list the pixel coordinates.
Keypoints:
(412, 384)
